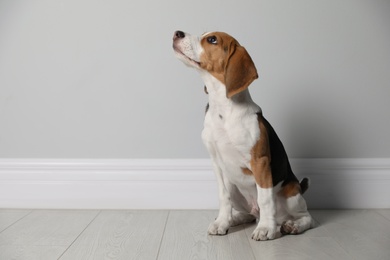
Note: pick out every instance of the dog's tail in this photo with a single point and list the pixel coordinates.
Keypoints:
(305, 183)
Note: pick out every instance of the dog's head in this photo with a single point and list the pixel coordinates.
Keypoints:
(219, 54)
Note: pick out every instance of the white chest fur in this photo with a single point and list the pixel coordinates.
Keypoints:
(231, 128)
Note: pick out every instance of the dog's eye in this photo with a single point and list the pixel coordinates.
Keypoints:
(212, 40)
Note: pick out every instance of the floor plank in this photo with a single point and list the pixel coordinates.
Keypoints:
(363, 234)
(120, 235)
(385, 213)
(48, 228)
(186, 238)
(18, 252)
(298, 248)
(10, 216)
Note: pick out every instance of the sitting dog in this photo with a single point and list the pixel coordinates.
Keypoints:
(254, 175)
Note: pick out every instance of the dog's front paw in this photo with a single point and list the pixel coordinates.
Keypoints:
(264, 233)
(219, 228)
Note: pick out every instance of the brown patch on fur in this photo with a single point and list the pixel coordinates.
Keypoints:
(214, 58)
(240, 72)
(290, 189)
(261, 159)
(246, 171)
(229, 62)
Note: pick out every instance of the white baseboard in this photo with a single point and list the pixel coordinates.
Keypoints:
(176, 183)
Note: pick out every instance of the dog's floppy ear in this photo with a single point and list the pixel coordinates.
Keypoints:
(240, 71)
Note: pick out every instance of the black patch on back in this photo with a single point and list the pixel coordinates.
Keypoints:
(280, 165)
(207, 108)
(304, 185)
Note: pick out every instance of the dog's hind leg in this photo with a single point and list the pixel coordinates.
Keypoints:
(300, 217)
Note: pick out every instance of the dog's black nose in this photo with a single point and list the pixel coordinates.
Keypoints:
(179, 34)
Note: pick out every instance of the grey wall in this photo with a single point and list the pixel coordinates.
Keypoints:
(97, 79)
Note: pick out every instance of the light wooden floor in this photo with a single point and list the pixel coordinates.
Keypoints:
(128, 234)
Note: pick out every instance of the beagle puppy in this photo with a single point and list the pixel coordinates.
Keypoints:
(254, 175)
